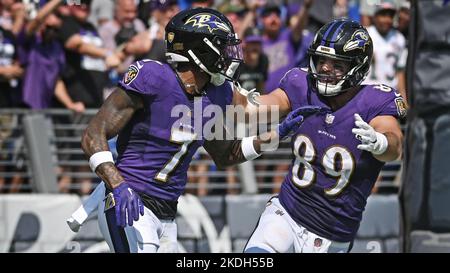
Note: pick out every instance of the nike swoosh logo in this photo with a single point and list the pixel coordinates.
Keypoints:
(139, 65)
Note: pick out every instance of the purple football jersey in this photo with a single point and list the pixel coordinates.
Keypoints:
(330, 179)
(154, 152)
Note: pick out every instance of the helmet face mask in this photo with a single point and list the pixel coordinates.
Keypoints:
(206, 38)
(346, 42)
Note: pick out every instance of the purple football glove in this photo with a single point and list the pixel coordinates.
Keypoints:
(128, 205)
(294, 119)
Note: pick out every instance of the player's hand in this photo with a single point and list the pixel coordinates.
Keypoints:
(371, 140)
(294, 119)
(128, 205)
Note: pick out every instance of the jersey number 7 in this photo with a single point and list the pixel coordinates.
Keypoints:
(182, 138)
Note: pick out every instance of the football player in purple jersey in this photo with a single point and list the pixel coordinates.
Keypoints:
(154, 146)
(337, 154)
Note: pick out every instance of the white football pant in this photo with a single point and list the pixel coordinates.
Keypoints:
(277, 232)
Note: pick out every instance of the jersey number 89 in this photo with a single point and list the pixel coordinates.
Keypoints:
(337, 161)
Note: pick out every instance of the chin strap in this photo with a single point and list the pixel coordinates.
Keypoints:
(251, 95)
(216, 78)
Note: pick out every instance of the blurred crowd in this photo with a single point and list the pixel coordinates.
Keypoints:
(70, 54)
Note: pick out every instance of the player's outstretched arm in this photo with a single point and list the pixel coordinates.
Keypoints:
(226, 153)
(230, 152)
(114, 114)
(263, 105)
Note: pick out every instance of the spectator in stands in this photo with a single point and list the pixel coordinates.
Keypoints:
(280, 44)
(121, 29)
(367, 9)
(87, 59)
(301, 59)
(42, 55)
(150, 44)
(390, 53)
(254, 70)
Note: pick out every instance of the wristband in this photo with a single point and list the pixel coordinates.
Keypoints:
(98, 158)
(248, 150)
